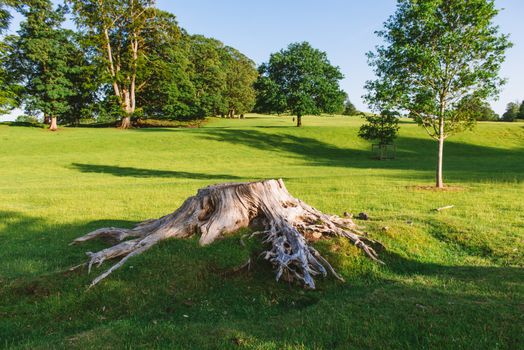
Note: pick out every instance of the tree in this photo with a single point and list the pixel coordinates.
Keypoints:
(169, 92)
(39, 61)
(436, 54)
(478, 109)
(116, 29)
(8, 93)
(382, 128)
(304, 80)
(521, 110)
(512, 112)
(241, 74)
(349, 108)
(208, 75)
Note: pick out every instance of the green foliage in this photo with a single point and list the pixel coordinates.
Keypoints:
(241, 74)
(512, 112)
(168, 91)
(26, 119)
(521, 110)
(437, 55)
(300, 80)
(476, 109)
(349, 108)
(382, 128)
(39, 60)
(8, 92)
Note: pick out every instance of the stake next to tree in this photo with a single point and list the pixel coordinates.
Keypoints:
(286, 225)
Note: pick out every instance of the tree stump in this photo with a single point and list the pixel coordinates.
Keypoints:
(286, 224)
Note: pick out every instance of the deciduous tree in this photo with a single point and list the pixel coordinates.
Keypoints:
(512, 112)
(437, 53)
(304, 81)
(116, 28)
(39, 61)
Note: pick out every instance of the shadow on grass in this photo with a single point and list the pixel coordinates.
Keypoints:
(145, 173)
(461, 161)
(174, 297)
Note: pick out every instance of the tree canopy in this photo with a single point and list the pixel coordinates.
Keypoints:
(40, 61)
(300, 80)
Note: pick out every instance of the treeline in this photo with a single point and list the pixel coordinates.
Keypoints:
(514, 111)
(125, 60)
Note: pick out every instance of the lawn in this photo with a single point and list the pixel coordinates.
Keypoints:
(453, 279)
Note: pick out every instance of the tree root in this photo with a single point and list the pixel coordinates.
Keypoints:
(218, 210)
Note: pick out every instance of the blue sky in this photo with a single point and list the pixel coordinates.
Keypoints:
(342, 28)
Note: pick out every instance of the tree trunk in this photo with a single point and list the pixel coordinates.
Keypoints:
(126, 123)
(286, 224)
(128, 107)
(439, 176)
(47, 120)
(53, 126)
(299, 120)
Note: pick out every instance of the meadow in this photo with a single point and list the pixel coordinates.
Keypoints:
(452, 279)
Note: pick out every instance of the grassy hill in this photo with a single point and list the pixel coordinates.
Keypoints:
(453, 279)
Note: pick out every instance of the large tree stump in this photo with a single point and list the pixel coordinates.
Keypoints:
(286, 223)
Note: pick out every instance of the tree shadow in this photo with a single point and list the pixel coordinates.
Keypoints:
(147, 173)
(462, 161)
(158, 288)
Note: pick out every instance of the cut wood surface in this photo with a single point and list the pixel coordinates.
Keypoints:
(286, 224)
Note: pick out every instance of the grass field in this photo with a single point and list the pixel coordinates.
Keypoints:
(453, 279)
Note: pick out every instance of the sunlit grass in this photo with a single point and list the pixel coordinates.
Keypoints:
(453, 279)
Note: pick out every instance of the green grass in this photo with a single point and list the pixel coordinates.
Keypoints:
(453, 279)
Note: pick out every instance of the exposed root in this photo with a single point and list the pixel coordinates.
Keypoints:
(221, 209)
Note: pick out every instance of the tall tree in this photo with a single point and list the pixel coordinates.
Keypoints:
(116, 28)
(8, 99)
(349, 108)
(512, 112)
(304, 79)
(169, 92)
(39, 60)
(208, 75)
(436, 54)
(241, 74)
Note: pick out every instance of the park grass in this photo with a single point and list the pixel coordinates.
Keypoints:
(452, 279)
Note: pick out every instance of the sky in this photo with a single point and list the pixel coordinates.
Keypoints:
(342, 28)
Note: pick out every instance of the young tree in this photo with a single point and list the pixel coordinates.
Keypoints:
(39, 61)
(436, 54)
(382, 128)
(512, 112)
(116, 28)
(304, 80)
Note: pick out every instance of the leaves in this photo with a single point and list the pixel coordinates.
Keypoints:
(438, 56)
(300, 80)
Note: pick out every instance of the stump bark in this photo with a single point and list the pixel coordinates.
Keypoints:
(286, 224)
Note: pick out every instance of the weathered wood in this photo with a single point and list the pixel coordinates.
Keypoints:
(445, 208)
(287, 225)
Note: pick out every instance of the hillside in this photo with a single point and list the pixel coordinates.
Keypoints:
(452, 279)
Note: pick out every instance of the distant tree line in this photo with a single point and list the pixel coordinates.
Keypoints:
(126, 60)
(514, 110)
